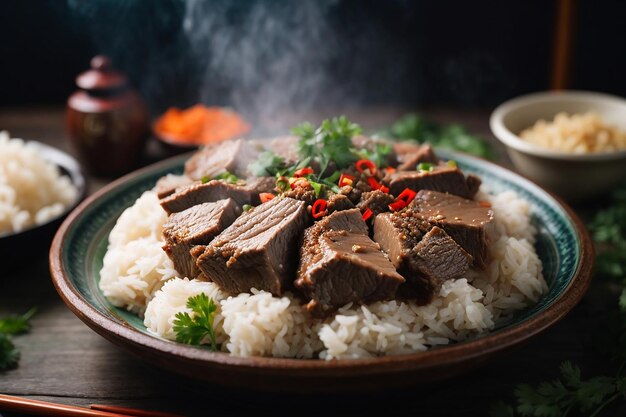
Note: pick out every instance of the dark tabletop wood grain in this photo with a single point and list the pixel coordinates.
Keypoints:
(64, 361)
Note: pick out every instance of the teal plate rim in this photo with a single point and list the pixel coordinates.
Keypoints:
(571, 249)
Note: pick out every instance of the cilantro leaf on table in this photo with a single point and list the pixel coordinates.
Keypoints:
(565, 395)
(17, 324)
(455, 137)
(12, 325)
(193, 330)
(9, 355)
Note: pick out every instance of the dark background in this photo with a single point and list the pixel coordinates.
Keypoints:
(410, 53)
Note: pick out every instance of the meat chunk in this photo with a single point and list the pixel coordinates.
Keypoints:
(338, 202)
(410, 160)
(232, 156)
(197, 225)
(339, 264)
(215, 190)
(167, 184)
(377, 201)
(441, 178)
(425, 260)
(259, 250)
(468, 222)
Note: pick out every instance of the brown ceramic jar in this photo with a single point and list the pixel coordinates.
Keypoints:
(106, 120)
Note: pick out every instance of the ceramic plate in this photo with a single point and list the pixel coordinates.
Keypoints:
(79, 246)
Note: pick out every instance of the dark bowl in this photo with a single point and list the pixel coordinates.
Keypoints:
(36, 240)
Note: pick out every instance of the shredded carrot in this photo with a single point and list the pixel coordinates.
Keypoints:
(200, 124)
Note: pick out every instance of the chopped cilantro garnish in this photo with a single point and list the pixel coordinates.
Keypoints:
(194, 330)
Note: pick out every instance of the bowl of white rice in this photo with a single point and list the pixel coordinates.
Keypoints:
(108, 266)
(39, 185)
(571, 142)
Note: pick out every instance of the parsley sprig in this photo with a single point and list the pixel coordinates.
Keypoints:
(194, 330)
(330, 143)
(12, 326)
(569, 393)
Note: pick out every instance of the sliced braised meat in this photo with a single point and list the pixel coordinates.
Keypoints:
(468, 222)
(377, 201)
(231, 155)
(441, 178)
(215, 190)
(338, 202)
(197, 225)
(339, 264)
(167, 184)
(259, 250)
(409, 161)
(424, 260)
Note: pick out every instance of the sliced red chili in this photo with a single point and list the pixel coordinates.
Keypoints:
(397, 205)
(390, 170)
(345, 179)
(265, 197)
(407, 195)
(384, 189)
(367, 214)
(318, 209)
(366, 166)
(373, 183)
(303, 172)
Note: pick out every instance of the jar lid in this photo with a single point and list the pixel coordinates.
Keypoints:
(101, 76)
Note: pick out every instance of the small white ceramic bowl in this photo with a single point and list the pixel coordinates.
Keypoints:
(572, 176)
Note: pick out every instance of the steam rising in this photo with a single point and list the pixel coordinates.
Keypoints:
(274, 55)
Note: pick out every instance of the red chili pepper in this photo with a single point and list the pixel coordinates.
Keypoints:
(365, 164)
(303, 172)
(367, 214)
(318, 209)
(397, 205)
(407, 195)
(265, 197)
(373, 183)
(390, 170)
(384, 189)
(345, 179)
(486, 204)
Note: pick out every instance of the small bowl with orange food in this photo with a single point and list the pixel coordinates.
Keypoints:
(182, 130)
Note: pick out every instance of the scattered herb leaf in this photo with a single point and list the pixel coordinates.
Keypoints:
(194, 330)
(17, 324)
(455, 137)
(12, 325)
(9, 355)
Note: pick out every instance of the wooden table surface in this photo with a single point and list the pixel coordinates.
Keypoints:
(64, 361)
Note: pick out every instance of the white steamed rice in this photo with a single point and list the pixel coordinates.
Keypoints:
(32, 190)
(259, 324)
